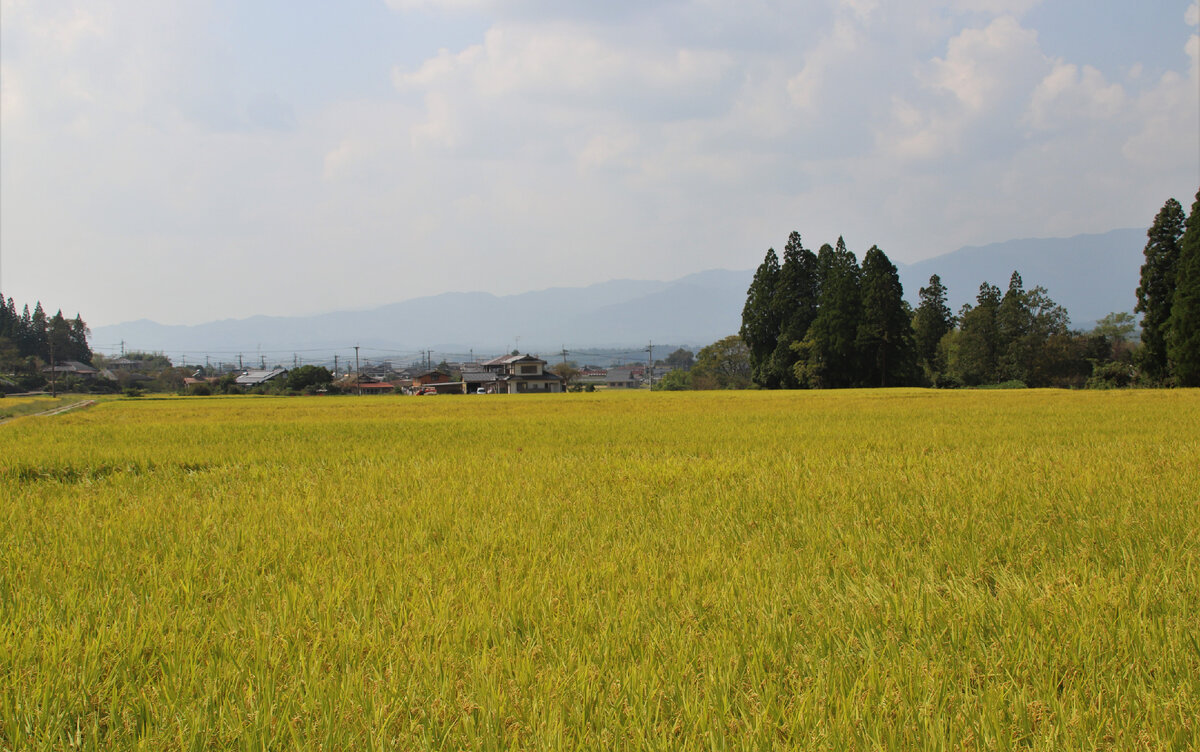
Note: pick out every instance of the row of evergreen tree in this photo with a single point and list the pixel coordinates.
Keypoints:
(36, 335)
(820, 320)
(1168, 297)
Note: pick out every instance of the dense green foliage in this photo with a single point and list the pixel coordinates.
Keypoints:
(36, 335)
(761, 319)
(308, 377)
(885, 330)
(831, 323)
(1183, 326)
(1156, 291)
(725, 364)
(932, 321)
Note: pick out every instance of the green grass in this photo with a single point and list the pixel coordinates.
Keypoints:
(843, 570)
(16, 407)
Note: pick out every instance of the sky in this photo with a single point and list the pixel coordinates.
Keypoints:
(188, 162)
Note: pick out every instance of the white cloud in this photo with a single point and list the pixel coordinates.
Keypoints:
(985, 68)
(663, 136)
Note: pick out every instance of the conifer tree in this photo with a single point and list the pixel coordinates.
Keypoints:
(760, 320)
(1014, 321)
(979, 338)
(1156, 291)
(796, 307)
(884, 336)
(933, 320)
(39, 333)
(829, 357)
(1183, 326)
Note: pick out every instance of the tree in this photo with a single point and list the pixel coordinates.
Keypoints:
(1183, 326)
(724, 364)
(306, 377)
(760, 320)
(565, 371)
(976, 349)
(1156, 291)
(1047, 355)
(933, 321)
(58, 338)
(884, 338)
(828, 357)
(796, 298)
(79, 340)
(1117, 326)
(682, 359)
(39, 335)
(674, 381)
(1014, 320)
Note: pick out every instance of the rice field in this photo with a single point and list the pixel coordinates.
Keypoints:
(883, 569)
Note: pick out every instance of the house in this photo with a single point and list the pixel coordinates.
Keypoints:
(377, 387)
(622, 378)
(426, 378)
(72, 368)
(474, 380)
(521, 374)
(259, 377)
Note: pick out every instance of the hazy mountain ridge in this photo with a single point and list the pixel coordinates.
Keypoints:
(1091, 275)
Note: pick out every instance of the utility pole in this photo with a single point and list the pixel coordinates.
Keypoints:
(650, 362)
(335, 365)
(563, 352)
(240, 362)
(357, 372)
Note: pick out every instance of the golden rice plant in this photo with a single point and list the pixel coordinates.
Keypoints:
(898, 569)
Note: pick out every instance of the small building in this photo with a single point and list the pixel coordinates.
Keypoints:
(488, 381)
(425, 378)
(377, 387)
(622, 378)
(253, 378)
(72, 368)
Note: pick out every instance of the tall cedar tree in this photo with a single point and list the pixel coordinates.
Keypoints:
(1183, 328)
(760, 321)
(979, 338)
(884, 337)
(933, 321)
(1156, 292)
(830, 352)
(1014, 321)
(796, 307)
(39, 333)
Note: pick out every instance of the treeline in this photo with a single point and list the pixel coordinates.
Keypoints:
(1168, 297)
(822, 320)
(36, 335)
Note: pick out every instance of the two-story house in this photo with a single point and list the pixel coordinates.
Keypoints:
(513, 374)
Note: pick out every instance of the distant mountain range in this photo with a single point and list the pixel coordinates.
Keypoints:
(1091, 275)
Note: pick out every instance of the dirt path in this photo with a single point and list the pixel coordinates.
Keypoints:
(53, 411)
